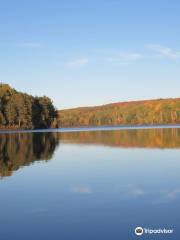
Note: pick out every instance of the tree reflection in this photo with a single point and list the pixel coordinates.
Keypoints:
(140, 138)
(21, 149)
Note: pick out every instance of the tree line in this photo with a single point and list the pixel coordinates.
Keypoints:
(22, 111)
(149, 112)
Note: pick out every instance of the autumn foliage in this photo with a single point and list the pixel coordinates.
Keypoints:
(148, 112)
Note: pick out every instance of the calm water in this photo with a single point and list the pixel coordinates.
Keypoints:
(89, 185)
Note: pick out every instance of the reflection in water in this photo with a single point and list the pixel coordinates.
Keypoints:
(89, 192)
(145, 138)
(20, 149)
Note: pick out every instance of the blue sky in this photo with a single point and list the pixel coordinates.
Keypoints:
(91, 52)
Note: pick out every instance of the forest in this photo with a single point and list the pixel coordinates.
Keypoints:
(148, 112)
(22, 111)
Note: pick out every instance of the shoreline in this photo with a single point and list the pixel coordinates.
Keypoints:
(91, 128)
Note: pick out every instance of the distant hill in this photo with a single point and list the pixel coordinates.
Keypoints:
(22, 111)
(151, 112)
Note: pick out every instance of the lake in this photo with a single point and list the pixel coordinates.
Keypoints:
(81, 185)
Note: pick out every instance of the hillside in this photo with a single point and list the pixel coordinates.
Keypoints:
(158, 111)
(22, 111)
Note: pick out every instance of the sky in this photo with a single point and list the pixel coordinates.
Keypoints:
(86, 53)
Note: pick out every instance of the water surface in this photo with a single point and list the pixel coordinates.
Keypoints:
(90, 184)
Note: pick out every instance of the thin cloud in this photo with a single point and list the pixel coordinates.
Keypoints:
(31, 45)
(130, 191)
(165, 51)
(81, 189)
(80, 62)
(168, 196)
(174, 194)
(125, 57)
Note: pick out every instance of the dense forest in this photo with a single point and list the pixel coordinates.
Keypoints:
(151, 112)
(22, 111)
